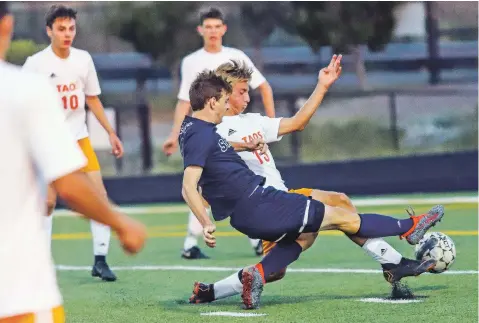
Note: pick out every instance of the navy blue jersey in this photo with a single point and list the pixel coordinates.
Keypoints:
(225, 176)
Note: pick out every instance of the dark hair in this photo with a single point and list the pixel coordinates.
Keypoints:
(235, 70)
(212, 13)
(3, 9)
(207, 85)
(59, 11)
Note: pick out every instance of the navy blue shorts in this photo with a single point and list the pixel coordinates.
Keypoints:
(273, 215)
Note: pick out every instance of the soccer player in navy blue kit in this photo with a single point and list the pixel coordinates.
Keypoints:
(261, 212)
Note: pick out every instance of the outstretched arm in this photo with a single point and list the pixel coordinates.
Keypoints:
(327, 76)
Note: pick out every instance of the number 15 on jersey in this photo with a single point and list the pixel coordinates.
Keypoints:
(261, 158)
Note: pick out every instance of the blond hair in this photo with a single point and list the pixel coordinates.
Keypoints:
(235, 71)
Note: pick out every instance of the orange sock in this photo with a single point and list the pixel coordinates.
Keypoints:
(259, 266)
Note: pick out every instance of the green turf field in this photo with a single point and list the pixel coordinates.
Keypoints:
(159, 294)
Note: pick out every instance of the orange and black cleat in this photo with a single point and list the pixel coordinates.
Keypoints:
(202, 293)
(422, 223)
(406, 268)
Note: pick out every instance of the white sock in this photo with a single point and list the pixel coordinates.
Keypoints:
(381, 251)
(227, 287)
(254, 242)
(195, 229)
(101, 238)
(48, 224)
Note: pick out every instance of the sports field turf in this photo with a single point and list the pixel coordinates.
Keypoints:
(157, 291)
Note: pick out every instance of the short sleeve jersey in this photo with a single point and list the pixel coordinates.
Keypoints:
(73, 78)
(225, 176)
(245, 128)
(36, 140)
(202, 60)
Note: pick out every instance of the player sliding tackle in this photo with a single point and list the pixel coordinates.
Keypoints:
(252, 130)
(257, 209)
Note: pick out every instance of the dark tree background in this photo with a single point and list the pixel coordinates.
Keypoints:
(345, 26)
(164, 30)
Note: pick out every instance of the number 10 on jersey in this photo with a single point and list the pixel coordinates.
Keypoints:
(70, 102)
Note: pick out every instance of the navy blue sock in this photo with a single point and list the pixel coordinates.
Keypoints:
(100, 258)
(281, 256)
(377, 226)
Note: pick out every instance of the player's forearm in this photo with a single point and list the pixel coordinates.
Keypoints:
(82, 196)
(96, 107)
(304, 115)
(182, 109)
(240, 146)
(268, 100)
(195, 202)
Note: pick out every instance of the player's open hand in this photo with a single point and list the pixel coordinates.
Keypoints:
(170, 145)
(132, 234)
(116, 145)
(328, 75)
(208, 231)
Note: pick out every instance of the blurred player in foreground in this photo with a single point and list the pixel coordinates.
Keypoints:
(37, 138)
(256, 209)
(73, 74)
(249, 130)
(212, 28)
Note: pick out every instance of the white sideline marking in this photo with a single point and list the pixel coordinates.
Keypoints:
(412, 201)
(229, 269)
(390, 301)
(358, 202)
(233, 314)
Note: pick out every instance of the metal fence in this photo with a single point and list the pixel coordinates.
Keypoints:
(347, 126)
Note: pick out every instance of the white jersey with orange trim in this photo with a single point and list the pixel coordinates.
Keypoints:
(246, 127)
(73, 77)
(35, 139)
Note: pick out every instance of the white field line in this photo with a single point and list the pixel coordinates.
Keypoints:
(232, 269)
(232, 314)
(389, 301)
(166, 209)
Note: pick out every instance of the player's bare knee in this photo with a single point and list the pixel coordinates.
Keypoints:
(346, 202)
(276, 276)
(337, 218)
(351, 224)
(343, 198)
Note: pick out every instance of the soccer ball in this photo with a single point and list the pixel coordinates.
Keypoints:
(437, 246)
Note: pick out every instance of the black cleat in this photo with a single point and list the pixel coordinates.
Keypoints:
(202, 293)
(193, 253)
(406, 268)
(258, 249)
(101, 269)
